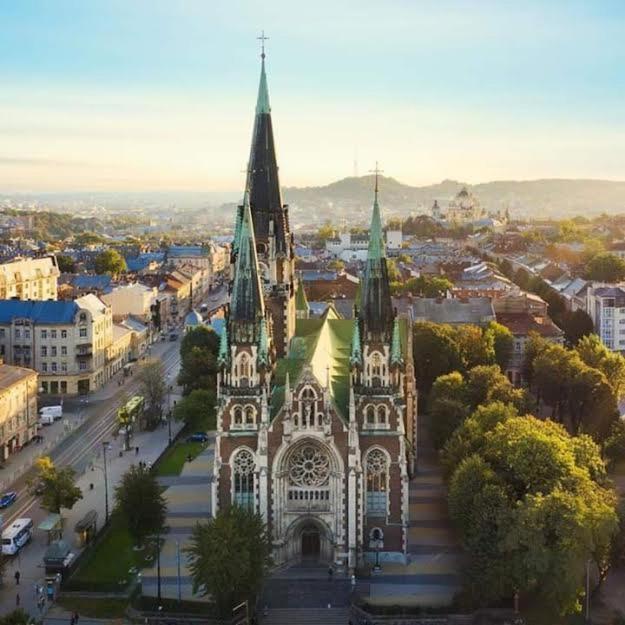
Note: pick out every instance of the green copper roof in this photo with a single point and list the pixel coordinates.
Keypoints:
(262, 103)
(376, 236)
(396, 351)
(355, 357)
(246, 302)
(222, 359)
(301, 301)
(324, 344)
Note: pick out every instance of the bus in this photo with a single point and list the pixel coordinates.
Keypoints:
(16, 536)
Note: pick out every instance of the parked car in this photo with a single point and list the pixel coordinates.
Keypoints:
(173, 336)
(198, 437)
(7, 499)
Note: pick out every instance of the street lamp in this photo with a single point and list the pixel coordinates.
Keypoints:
(106, 483)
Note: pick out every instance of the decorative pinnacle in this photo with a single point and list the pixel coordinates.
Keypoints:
(262, 40)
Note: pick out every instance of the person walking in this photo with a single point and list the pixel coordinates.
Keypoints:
(330, 573)
(17, 599)
(17, 578)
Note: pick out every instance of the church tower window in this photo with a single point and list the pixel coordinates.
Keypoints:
(237, 416)
(377, 483)
(243, 479)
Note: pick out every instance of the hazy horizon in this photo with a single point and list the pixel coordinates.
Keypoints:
(149, 96)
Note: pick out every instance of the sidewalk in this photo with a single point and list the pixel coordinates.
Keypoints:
(29, 561)
(76, 410)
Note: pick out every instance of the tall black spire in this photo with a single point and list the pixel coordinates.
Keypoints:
(376, 309)
(263, 182)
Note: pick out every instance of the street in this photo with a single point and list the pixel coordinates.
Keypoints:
(91, 423)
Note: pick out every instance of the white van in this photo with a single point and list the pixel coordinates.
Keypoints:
(46, 418)
(56, 412)
(16, 536)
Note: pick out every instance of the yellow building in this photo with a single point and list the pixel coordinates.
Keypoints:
(29, 278)
(18, 408)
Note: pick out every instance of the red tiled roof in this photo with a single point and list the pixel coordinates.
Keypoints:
(521, 324)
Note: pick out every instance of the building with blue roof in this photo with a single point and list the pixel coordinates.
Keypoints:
(66, 342)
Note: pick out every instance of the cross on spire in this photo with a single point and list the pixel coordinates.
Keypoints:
(262, 40)
(376, 171)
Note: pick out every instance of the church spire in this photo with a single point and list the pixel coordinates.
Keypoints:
(376, 310)
(263, 181)
(247, 307)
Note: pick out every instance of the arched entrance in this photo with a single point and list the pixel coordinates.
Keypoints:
(311, 543)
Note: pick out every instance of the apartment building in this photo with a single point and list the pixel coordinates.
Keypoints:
(606, 307)
(131, 299)
(66, 342)
(29, 279)
(18, 408)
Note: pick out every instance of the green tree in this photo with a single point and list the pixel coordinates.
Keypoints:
(614, 444)
(66, 263)
(503, 343)
(57, 487)
(198, 360)
(111, 262)
(446, 415)
(435, 352)
(229, 557)
(15, 617)
(140, 501)
(576, 325)
(449, 386)
(476, 346)
(325, 232)
(606, 267)
(336, 265)
(197, 410)
(153, 388)
(612, 364)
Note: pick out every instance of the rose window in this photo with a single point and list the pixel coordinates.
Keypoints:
(376, 463)
(309, 466)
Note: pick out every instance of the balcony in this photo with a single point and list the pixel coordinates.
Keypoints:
(308, 499)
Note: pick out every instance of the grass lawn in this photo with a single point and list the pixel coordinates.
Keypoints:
(94, 608)
(173, 459)
(108, 563)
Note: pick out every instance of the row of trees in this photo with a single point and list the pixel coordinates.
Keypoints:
(439, 349)
(198, 378)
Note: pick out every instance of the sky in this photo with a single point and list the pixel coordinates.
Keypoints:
(123, 95)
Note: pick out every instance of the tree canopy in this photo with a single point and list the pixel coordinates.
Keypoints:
(140, 501)
(606, 267)
(198, 359)
(153, 388)
(229, 557)
(57, 486)
(111, 262)
(197, 409)
(532, 505)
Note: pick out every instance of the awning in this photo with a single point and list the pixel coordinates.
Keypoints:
(51, 522)
(86, 522)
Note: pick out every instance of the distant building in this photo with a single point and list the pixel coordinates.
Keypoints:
(18, 408)
(66, 342)
(524, 314)
(131, 299)
(454, 311)
(329, 285)
(606, 307)
(463, 209)
(29, 279)
(482, 280)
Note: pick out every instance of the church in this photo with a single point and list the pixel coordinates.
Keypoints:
(316, 418)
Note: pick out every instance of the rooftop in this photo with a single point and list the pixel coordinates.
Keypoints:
(10, 375)
(44, 312)
(521, 324)
(472, 310)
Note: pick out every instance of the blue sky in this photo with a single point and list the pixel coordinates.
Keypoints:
(154, 94)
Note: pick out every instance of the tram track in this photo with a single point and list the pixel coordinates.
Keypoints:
(88, 436)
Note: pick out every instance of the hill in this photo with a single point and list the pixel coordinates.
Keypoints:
(531, 198)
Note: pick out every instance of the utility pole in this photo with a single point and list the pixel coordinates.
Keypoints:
(106, 483)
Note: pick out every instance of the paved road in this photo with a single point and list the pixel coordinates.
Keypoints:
(81, 449)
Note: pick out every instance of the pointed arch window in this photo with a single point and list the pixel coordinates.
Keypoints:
(377, 369)
(243, 479)
(370, 415)
(250, 415)
(308, 402)
(377, 469)
(237, 416)
(243, 369)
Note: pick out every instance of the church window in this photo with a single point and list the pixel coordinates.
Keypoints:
(309, 466)
(243, 370)
(308, 408)
(382, 415)
(377, 483)
(377, 369)
(237, 415)
(370, 415)
(243, 477)
(250, 415)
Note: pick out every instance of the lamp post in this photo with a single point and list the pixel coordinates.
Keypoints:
(106, 483)
(170, 388)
